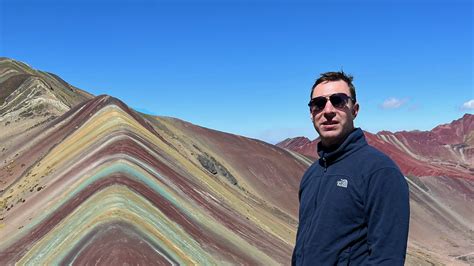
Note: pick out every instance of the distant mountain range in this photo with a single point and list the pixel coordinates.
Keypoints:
(446, 150)
(85, 179)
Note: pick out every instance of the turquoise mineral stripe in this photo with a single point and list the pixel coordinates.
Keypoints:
(117, 166)
(131, 172)
(118, 202)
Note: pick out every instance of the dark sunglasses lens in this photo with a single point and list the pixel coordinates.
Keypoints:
(338, 100)
(318, 103)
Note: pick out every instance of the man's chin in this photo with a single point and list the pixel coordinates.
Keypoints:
(330, 137)
(329, 134)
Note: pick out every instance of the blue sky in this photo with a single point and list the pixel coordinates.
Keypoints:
(246, 67)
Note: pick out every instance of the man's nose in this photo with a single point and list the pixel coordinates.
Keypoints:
(329, 108)
(329, 112)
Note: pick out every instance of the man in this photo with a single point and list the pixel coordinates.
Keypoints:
(354, 201)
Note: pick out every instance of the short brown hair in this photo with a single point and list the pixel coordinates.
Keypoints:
(336, 76)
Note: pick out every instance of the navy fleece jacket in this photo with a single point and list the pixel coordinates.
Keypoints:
(354, 208)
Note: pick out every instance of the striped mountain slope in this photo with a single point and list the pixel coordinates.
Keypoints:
(87, 180)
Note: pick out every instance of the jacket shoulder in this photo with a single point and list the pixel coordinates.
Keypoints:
(309, 172)
(374, 159)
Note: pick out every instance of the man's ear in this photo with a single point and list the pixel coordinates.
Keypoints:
(311, 116)
(355, 110)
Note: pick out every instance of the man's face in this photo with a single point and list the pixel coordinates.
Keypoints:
(334, 124)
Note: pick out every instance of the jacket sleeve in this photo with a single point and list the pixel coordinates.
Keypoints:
(388, 213)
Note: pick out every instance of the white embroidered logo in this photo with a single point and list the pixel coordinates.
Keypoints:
(342, 183)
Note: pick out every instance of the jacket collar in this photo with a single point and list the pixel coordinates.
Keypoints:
(354, 141)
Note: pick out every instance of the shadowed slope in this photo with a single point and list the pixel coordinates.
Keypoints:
(29, 102)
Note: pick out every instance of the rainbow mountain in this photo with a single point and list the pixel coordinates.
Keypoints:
(87, 180)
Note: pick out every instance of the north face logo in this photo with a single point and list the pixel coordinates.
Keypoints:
(342, 183)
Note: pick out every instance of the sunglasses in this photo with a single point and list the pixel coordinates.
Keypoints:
(338, 100)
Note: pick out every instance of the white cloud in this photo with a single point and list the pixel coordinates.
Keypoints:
(393, 103)
(469, 105)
